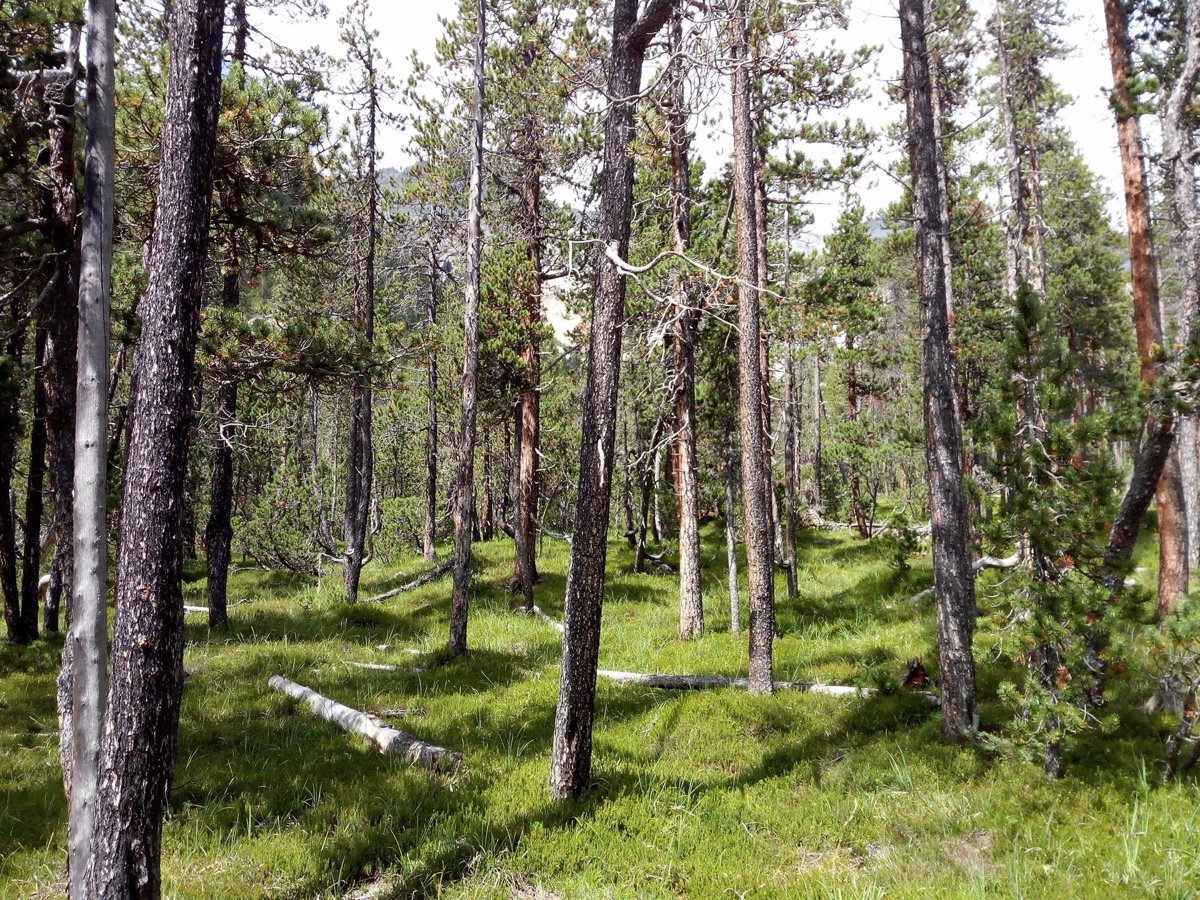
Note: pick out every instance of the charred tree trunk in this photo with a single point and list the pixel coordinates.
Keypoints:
(464, 497)
(572, 752)
(954, 581)
(137, 755)
(756, 505)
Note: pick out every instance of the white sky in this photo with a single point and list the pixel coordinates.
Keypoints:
(407, 26)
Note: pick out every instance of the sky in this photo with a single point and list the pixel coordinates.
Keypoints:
(409, 26)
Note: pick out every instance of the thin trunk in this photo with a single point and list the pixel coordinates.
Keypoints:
(691, 605)
(137, 755)
(83, 682)
(35, 479)
(360, 458)
(429, 533)
(572, 752)
(818, 415)
(486, 525)
(62, 322)
(735, 613)
(789, 470)
(756, 507)
(860, 519)
(954, 581)
(218, 532)
(464, 497)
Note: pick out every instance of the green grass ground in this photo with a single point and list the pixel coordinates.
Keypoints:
(713, 794)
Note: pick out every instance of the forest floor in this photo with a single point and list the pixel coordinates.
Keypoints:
(705, 794)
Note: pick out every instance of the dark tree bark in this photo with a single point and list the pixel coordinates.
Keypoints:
(954, 581)
(218, 531)
(735, 612)
(9, 418)
(137, 755)
(572, 752)
(61, 322)
(35, 479)
(487, 526)
(429, 533)
(464, 497)
(818, 411)
(756, 504)
(691, 605)
(360, 451)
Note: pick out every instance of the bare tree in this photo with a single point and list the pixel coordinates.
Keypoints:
(572, 753)
(464, 496)
(954, 580)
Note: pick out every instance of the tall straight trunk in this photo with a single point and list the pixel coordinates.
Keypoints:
(9, 418)
(35, 480)
(691, 605)
(860, 519)
(83, 682)
(735, 612)
(1151, 459)
(324, 537)
(62, 315)
(464, 497)
(360, 458)
(429, 533)
(789, 470)
(954, 580)
(487, 513)
(627, 486)
(818, 411)
(218, 531)
(756, 505)
(571, 760)
(528, 414)
(137, 755)
(656, 472)
(1179, 123)
(646, 455)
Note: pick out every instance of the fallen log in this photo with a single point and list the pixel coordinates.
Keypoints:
(389, 741)
(984, 562)
(417, 582)
(549, 620)
(195, 609)
(709, 682)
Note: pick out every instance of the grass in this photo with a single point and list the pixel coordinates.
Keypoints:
(708, 794)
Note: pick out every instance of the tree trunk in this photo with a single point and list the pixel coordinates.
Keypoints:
(954, 583)
(1151, 459)
(62, 317)
(691, 605)
(464, 497)
(83, 682)
(137, 753)
(35, 478)
(860, 520)
(528, 416)
(218, 531)
(735, 613)
(1178, 152)
(487, 514)
(360, 459)
(572, 752)
(429, 533)
(756, 509)
(818, 414)
(789, 470)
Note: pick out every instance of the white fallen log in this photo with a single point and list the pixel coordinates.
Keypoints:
(417, 582)
(390, 741)
(195, 609)
(380, 667)
(549, 620)
(984, 562)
